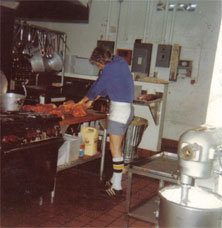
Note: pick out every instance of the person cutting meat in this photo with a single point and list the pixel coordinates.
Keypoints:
(116, 82)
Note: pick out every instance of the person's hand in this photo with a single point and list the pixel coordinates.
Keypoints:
(83, 101)
(88, 104)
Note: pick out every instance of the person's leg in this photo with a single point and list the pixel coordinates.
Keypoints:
(116, 145)
(118, 162)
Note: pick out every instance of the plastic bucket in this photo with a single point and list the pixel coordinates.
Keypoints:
(133, 138)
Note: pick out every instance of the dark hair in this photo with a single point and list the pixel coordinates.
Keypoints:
(101, 55)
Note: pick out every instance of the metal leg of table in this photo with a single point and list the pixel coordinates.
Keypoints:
(63, 129)
(103, 153)
(128, 196)
(40, 201)
(161, 184)
(53, 192)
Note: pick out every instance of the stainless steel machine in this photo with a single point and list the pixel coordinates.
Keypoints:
(197, 200)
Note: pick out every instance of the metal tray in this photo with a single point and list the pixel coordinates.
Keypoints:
(164, 164)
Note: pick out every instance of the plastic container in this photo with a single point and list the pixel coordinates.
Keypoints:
(82, 145)
(69, 151)
(90, 135)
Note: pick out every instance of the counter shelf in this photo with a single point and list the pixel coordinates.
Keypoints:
(79, 161)
(162, 166)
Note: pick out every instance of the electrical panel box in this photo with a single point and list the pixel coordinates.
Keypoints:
(163, 55)
(142, 57)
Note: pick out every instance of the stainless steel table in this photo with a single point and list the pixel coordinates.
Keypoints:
(91, 116)
(162, 166)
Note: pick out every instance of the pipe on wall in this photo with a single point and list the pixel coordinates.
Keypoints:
(108, 20)
(118, 25)
(163, 33)
(172, 26)
(150, 18)
(146, 20)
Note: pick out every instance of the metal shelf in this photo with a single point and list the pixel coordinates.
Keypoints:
(146, 211)
(162, 166)
(78, 162)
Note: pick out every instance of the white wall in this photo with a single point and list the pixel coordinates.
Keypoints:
(196, 32)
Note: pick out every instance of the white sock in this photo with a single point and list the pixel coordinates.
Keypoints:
(116, 179)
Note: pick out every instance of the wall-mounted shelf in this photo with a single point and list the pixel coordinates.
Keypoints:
(154, 106)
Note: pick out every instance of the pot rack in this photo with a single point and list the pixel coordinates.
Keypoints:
(22, 28)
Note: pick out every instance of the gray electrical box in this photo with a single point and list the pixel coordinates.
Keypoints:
(163, 55)
(142, 57)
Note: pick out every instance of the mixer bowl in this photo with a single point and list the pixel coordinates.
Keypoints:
(202, 210)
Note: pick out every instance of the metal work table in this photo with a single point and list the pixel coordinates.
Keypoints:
(162, 166)
(91, 116)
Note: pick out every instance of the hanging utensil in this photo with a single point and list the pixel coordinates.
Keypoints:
(49, 46)
(29, 35)
(55, 63)
(34, 36)
(41, 42)
(58, 43)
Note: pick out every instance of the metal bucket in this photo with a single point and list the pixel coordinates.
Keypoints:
(204, 209)
(133, 138)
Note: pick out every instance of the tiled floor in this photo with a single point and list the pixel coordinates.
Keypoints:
(79, 203)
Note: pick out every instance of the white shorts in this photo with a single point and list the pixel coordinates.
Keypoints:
(121, 114)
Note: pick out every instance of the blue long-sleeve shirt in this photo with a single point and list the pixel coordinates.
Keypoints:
(116, 82)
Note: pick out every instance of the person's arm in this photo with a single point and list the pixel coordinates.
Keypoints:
(99, 86)
(88, 103)
(84, 100)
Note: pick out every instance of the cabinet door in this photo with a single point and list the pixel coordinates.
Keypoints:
(142, 58)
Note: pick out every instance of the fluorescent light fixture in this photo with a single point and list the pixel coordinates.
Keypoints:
(171, 6)
(191, 6)
(160, 6)
(181, 6)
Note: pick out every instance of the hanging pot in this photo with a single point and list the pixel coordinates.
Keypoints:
(37, 63)
(55, 63)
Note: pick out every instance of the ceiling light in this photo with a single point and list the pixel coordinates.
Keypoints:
(191, 7)
(171, 6)
(181, 7)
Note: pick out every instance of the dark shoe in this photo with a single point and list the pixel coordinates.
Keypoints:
(108, 184)
(111, 192)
